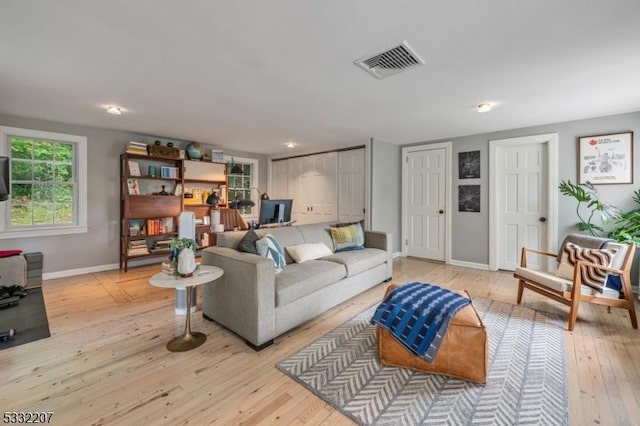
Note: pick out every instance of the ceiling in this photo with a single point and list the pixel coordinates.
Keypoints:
(252, 75)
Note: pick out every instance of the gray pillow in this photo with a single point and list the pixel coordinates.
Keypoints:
(248, 242)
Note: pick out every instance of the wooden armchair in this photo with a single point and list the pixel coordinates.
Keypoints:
(580, 287)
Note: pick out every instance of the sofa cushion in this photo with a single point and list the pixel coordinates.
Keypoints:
(308, 251)
(359, 260)
(269, 247)
(316, 233)
(286, 235)
(350, 237)
(300, 279)
(248, 242)
(547, 279)
(559, 284)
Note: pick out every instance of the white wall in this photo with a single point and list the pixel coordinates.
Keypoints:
(386, 191)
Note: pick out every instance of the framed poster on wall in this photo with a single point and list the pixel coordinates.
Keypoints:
(469, 198)
(606, 159)
(469, 165)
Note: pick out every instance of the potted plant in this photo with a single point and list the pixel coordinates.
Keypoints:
(621, 226)
(588, 198)
(627, 224)
(182, 256)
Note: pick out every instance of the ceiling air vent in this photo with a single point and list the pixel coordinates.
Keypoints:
(389, 62)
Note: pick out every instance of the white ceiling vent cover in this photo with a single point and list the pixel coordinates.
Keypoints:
(391, 61)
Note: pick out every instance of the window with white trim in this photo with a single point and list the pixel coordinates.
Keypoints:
(48, 176)
(243, 185)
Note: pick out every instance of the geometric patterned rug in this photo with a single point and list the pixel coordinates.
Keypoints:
(526, 383)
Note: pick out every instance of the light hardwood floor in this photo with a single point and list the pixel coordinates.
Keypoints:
(106, 361)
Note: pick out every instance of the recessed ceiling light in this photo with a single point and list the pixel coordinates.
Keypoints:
(114, 110)
(290, 145)
(484, 108)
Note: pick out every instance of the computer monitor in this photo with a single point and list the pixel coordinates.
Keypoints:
(275, 211)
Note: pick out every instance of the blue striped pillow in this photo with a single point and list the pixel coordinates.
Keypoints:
(269, 247)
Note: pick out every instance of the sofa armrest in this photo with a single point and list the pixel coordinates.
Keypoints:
(379, 240)
(243, 299)
(382, 241)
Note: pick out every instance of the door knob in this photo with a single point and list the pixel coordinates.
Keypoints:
(543, 219)
(441, 211)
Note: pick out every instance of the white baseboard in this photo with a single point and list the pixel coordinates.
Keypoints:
(397, 254)
(98, 268)
(466, 264)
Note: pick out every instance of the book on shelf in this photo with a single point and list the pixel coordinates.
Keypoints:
(137, 248)
(134, 168)
(159, 250)
(137, 252)
(137, 148)
(136, 228)
(167, 225)
(159, 226)
(161, 246)
(169, 172)
(133, 187)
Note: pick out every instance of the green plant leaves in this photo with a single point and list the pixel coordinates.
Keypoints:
(626, 224)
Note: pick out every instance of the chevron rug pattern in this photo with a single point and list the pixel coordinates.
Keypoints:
(526, 384)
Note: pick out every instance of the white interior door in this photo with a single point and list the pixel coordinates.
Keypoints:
(425, 206)
(351, 185)
(522, 214)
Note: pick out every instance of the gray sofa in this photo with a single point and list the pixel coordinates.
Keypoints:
(253, 301)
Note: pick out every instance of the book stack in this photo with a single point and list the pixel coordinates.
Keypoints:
(160, 246)
(168, 268)
(137, 248)
(137, 148)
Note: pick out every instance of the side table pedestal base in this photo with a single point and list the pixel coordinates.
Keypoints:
(186, 342)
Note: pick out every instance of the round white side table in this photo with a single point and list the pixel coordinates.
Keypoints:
(204, 274)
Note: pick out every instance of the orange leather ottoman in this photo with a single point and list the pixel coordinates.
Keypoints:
(463, 353)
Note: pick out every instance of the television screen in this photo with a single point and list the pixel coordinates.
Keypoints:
(5, 185)
(275, 211)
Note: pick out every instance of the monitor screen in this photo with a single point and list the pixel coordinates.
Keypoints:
(4, 179)
(275, 211)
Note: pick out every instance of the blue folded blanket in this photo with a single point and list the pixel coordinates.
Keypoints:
(418, 315)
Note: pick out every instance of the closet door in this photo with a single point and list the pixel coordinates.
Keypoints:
(351, 185)
(321, 194)
(279, 179)
(298, 179)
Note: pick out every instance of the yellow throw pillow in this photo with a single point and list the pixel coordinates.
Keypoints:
(350, 237)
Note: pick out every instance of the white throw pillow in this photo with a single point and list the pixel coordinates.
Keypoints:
(309, 251)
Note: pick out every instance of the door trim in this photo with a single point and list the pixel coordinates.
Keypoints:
(551, 140)
(447, 146)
